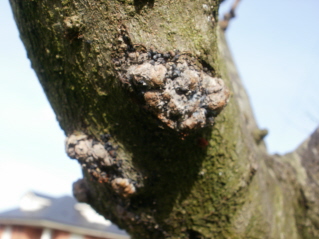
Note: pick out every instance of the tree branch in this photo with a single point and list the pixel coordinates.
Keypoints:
(228, 16)
(153, 173)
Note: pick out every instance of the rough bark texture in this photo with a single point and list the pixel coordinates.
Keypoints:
(152, 179)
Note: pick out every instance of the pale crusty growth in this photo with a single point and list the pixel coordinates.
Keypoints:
(151, 76)
(72, 22)
(123, 186)
(79, 146)
(100, 161)
(179, 93)
(180, 89)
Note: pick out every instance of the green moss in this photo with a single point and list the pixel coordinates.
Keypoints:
(65, 2)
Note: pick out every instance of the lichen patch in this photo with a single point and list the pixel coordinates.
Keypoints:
(175, 86)
(100, 160)
(123, 186)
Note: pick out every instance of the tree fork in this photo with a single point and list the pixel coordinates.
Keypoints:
(158, 177)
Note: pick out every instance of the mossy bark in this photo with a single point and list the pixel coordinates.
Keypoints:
(229, 188)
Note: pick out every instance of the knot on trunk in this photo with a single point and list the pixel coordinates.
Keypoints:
(101, 162)
(178, 88)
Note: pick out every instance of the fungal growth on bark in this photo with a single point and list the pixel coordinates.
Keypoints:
(100, 161)
(123, 186)
(174, 86)
(73, 26)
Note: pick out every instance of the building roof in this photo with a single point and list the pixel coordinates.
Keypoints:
(63, 213)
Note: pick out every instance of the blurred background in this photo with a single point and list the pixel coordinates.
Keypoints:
(275, 45)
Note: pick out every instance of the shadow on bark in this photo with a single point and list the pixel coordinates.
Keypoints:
(168, 161)
(139, 4)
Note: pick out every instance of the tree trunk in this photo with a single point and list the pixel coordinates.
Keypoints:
(122, 78)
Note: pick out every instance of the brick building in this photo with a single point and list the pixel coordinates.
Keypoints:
(43, 217)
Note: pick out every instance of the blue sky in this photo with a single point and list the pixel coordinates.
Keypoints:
(276, 48)
(31, 142)
(275, 45)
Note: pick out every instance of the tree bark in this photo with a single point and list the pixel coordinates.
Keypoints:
(158, 176)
